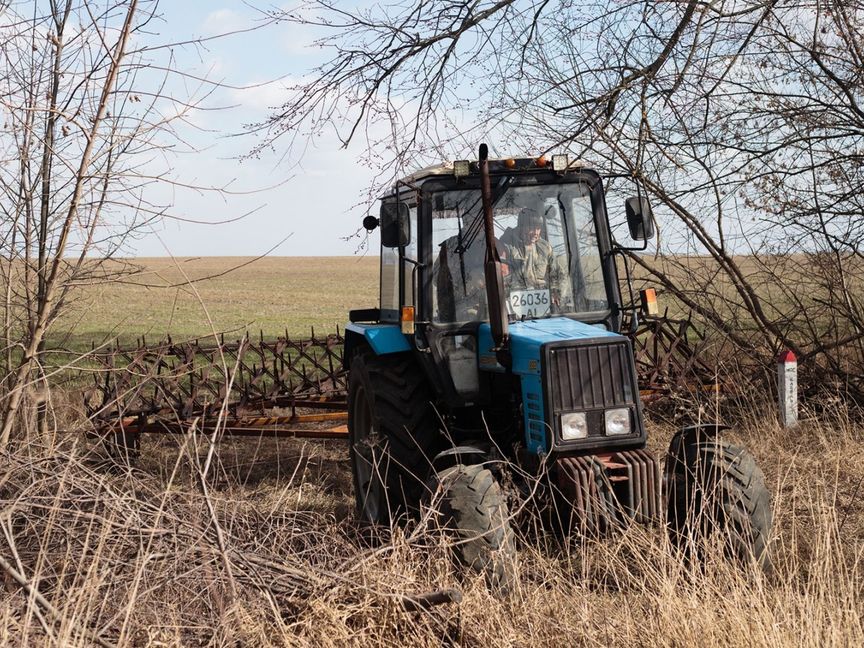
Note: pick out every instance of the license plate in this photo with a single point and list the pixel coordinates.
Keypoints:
(529, 303)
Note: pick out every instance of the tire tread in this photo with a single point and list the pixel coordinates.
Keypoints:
(722, 484)
(403, 415)
(473, 507)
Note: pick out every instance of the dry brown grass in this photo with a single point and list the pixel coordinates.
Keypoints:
(137, 556)
(265, 550)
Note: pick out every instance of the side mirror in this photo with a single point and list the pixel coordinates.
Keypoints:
(395, 225)
(639, 218)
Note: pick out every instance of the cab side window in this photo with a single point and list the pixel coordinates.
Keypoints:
(389, 284)
(410, 252)
(394, 267)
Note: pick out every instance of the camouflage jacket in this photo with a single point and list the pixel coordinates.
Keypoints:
(532, 267)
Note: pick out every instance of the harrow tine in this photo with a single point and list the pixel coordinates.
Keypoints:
(190, 377)
(666, 360)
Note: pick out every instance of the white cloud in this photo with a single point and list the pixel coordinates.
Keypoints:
(223, 21)
(263, 96)
(298, 39)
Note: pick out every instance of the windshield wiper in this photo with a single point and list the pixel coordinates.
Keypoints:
(476, 225)
(571, 258)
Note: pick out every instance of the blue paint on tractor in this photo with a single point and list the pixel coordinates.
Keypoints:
(526, 341)
(383, 338)
(534, 413)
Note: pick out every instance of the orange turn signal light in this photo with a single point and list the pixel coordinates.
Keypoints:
(542, 161)
(407, 320)
(648, 298)
(510, 163)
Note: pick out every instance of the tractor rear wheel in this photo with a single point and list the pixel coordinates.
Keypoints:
(474, 509)
(391, 428)
(717, 488)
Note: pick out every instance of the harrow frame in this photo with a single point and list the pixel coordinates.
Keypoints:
(297, 387)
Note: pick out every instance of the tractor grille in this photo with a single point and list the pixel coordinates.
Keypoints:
(588, 377)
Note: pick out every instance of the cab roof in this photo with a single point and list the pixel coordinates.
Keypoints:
(446, 168)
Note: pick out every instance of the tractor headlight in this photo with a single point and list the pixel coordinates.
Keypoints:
(618, 421)
(574, 425)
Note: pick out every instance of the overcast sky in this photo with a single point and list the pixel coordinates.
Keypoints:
(311, 202)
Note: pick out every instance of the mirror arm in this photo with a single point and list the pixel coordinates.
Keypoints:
(634, 321)
(401, 247)
(617, 247)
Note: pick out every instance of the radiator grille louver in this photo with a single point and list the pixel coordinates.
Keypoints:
(590, 377)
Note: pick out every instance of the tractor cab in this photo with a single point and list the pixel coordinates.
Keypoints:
(555, 283)
(552, 240)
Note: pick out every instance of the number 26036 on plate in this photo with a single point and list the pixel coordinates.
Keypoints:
(529, 303)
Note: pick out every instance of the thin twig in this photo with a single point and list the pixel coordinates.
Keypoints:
(50, 609)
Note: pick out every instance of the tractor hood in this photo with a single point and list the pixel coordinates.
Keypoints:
(527, 337)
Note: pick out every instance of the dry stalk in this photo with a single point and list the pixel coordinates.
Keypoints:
(44, 604)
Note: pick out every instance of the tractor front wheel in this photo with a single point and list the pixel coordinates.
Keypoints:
(717, 488)
(473, 509)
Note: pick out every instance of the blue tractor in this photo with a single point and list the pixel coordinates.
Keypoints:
(498, 344)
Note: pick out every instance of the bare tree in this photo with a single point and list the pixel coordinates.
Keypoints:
(742, 120)
(86, 123)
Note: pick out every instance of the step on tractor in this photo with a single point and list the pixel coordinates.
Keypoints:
(498, 351)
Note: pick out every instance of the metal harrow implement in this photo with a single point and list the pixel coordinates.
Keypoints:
(297, 387)
(241, 387)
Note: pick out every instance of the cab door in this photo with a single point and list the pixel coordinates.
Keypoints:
(398, 259)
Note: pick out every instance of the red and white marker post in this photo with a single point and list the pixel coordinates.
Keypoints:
(787, 388)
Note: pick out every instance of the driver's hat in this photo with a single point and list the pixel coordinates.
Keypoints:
(530, 219)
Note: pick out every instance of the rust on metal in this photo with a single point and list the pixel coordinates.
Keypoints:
(192, 378)
(605, 491)
(274, 426)
(247, 378)
(670, 359)
(240, 387)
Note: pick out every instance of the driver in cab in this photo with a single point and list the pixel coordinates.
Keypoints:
(533, 264)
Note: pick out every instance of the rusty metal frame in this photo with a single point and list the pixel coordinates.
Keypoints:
(670, 359)
(603, 491)
(163, 387)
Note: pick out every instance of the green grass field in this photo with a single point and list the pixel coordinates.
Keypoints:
(195, 297)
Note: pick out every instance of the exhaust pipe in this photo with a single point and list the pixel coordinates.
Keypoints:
(492, 269)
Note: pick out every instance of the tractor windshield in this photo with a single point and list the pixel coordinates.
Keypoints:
(547, 241)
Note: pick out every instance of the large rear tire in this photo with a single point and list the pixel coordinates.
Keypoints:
(474, 510)
(391, 429)
(717, 488)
